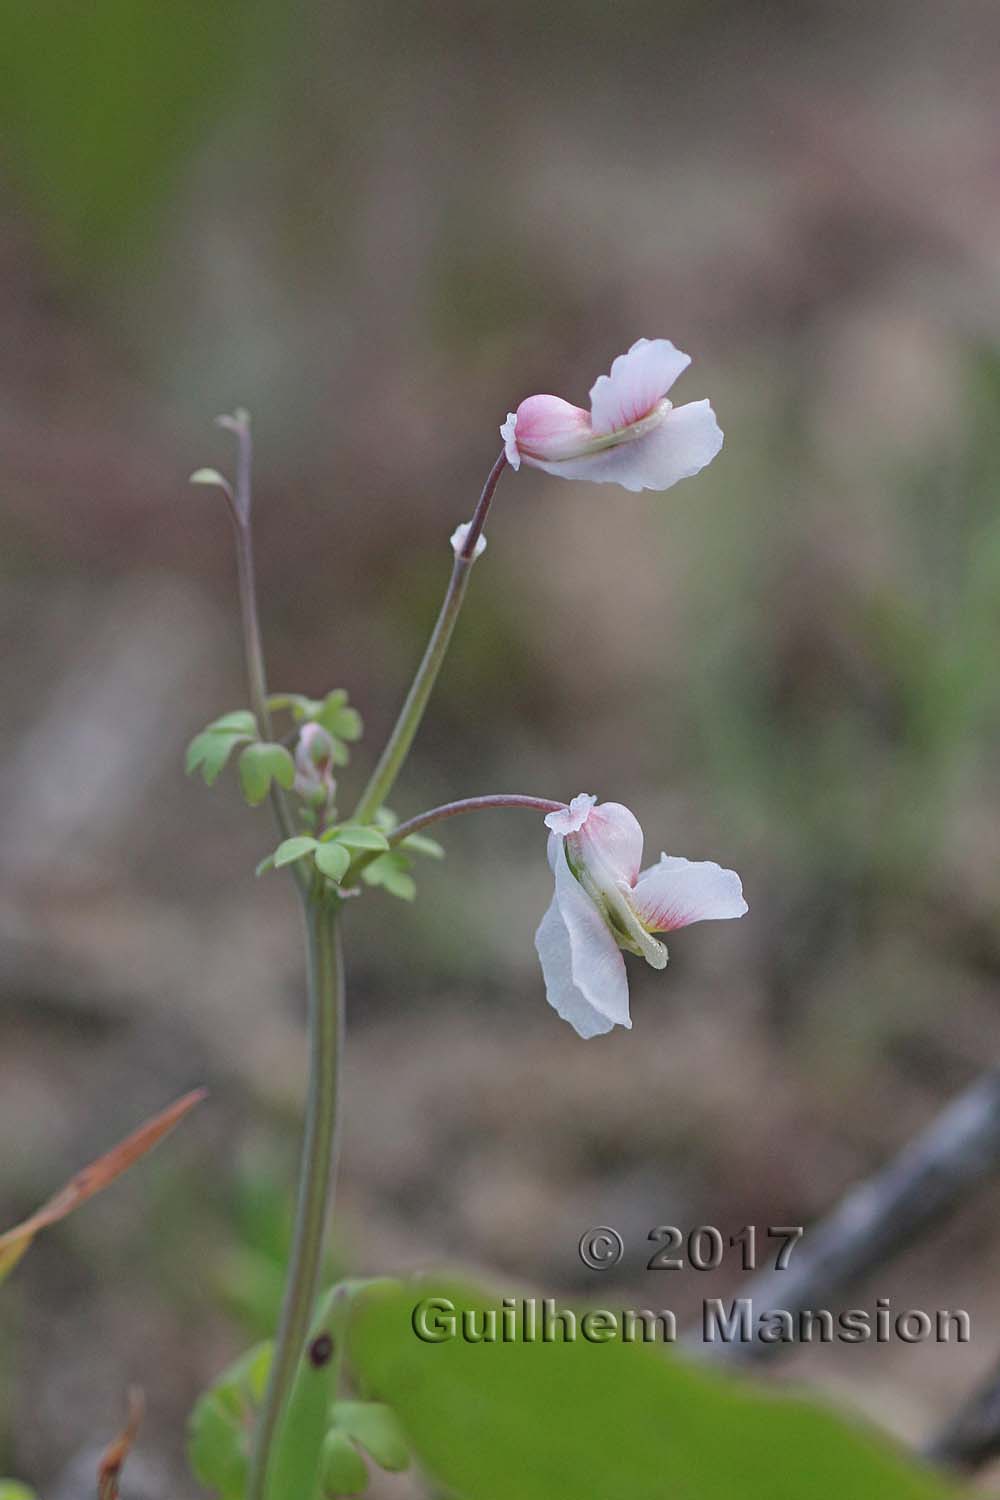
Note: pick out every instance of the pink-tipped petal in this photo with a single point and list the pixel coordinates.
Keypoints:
(584, 972)
(679, 446)
(638, 380)
(569, 819)
(677, 892)
(610, 841)
(549, 428)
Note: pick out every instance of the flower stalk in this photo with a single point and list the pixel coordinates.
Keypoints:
(390, 763)
(316, 1179)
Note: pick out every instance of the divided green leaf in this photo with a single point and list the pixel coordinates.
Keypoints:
(260, 765)
(209, 751)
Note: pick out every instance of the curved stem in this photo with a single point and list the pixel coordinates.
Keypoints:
(397, 748)
(316, 1179)
(472, 804)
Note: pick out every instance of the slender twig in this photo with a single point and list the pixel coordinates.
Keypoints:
(972, 1437)
(468, 805)
(240, 507)
(316, 1181)
(397, 748)
(879, 1218)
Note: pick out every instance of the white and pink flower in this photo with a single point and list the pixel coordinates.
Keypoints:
(603, 904)
(632, 435)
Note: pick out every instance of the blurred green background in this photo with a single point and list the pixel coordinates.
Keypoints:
(379, 227)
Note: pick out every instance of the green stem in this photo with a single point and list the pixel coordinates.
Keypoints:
(316, 1179)
(390, 763)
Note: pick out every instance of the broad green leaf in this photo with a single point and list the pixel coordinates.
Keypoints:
(333, 860)
(267, 863)
(419, 843)
(11, 1489)
(596, 1420)
(292, 849)
(298, 1448)
(260, 765)
(375, 1427)
(359, 836)
(342, 1469)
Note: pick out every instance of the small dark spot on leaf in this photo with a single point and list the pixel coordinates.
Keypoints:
(321, 1350)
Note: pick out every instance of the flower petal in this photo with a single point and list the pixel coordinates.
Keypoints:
(584, 972)
(458, 540)
(685, 441)
(508, 432)
(638, 380)
(569, 819)
(548, 428)
(677, 892)
(611, 840)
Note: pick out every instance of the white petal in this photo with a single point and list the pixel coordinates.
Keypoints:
(638, 380)
(458, 540)
(677, 892)
(612, 840)
(569, 819)
(584, 972)
(685, 441)
(509, 434)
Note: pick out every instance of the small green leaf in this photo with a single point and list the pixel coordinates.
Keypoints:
(419, 843)
(342, 1470)
(240, 721)
(336, 716)
(359, 836)
(389, 871)
(264, 866)
(375, 1428)
(216, 1443)
(260, 765)
(11, 1489)
(387, 820)
(332, 860)
(209, 751)
(290, 850)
